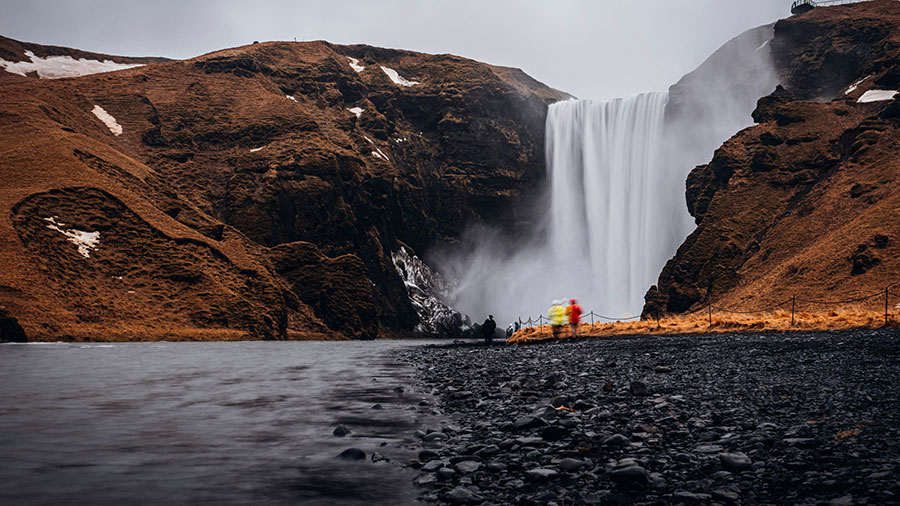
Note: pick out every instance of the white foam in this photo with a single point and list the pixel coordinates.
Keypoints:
(290, 97)
(354, 64)
(356, 111)
(107, 120)
(876, 96)
(85, 241)
(397, 79)
(56, 67)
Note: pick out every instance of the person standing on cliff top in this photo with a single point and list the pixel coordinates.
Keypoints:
(487, 330)
(573, 311)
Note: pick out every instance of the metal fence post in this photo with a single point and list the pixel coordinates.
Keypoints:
(592, 318)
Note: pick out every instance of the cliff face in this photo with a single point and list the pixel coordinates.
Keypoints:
(806, 202)
(254, 191)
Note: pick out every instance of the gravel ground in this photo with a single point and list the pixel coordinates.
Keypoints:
(802, 418)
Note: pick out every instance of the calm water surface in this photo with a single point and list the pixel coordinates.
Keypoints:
(204, 423)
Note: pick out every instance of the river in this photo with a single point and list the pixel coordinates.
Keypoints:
(205, 423)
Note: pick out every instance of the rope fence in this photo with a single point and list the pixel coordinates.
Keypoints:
(709, 308)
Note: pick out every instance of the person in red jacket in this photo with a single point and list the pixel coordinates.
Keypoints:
(573, 311)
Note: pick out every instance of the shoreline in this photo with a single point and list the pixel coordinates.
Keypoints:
(780, 418)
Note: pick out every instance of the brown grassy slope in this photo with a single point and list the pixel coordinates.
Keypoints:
(807, 202)
(229, 209)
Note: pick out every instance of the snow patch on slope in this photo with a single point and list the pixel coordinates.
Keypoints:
(107, 120)
(85, 241)
(354, 64)
(57, 67)
(424, 286)
(397, 79)
(357, 111)
(876, 96)
(377, 153)
(855, 85)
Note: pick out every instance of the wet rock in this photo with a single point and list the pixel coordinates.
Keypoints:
(541, 473)
(570, 465)
(460, 495)
(432, 466)
(728, 496)
(424, 480)
(341, 431)
(445, 474)
(352, 454)
(638, 388)
(377, 406)
(428, 455)
(377, 457)
(632, 476)
(467, 466)
(616, 441)
(686, 497)
(662, 369)
(554, 433)
(735, 461)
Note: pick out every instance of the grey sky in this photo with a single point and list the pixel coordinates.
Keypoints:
(592, 49)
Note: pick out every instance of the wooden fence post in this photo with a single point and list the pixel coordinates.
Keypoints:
(793, 307)
(709, 307)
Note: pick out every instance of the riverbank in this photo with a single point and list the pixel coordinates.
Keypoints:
(798, 418)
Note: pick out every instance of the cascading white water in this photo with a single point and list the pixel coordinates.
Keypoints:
(611, 213)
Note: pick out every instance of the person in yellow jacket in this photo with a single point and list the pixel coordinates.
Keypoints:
(557, 315)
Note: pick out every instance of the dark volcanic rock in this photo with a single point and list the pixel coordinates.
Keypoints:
(10, 330)
(352, 454)
(767, 419)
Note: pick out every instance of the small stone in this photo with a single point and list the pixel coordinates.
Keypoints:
(377, 457)
(460, 495)
(434, 436)
(541, 473)
(341, 431)
(496, 467)
(736, 461)
(691, 497)
(633, 476)
(728, 496)
(377, 406)
(445, 474)
(554, 433)
(616, 441)
(433, 466)
(662, 369)
(352, 454)
(425, 479)
(467, 466)
(428, 455)
(638, 388)
(570, 465)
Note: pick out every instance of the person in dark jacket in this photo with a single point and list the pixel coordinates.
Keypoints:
(487, 330)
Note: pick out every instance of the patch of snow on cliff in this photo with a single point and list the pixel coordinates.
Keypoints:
(107, 120)
(85, 241)
(254, 150)
(354, 64)
(290, 97)
(357, 111)
(377, 153)
(876, 96)
(424, 286)
(397, 79)
(57, 67)
(855, 85)
(764, 44)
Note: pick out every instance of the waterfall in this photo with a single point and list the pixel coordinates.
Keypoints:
(613, 221)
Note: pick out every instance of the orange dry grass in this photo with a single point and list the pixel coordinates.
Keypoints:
(698, 323)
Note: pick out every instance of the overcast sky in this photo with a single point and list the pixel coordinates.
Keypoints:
(590, 48)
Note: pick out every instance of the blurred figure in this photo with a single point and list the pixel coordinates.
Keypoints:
(557, 315)
(509, 331)
(573, 311)
(487, 330)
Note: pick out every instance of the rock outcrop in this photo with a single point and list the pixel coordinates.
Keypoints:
(804, 203)
(257, 191)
